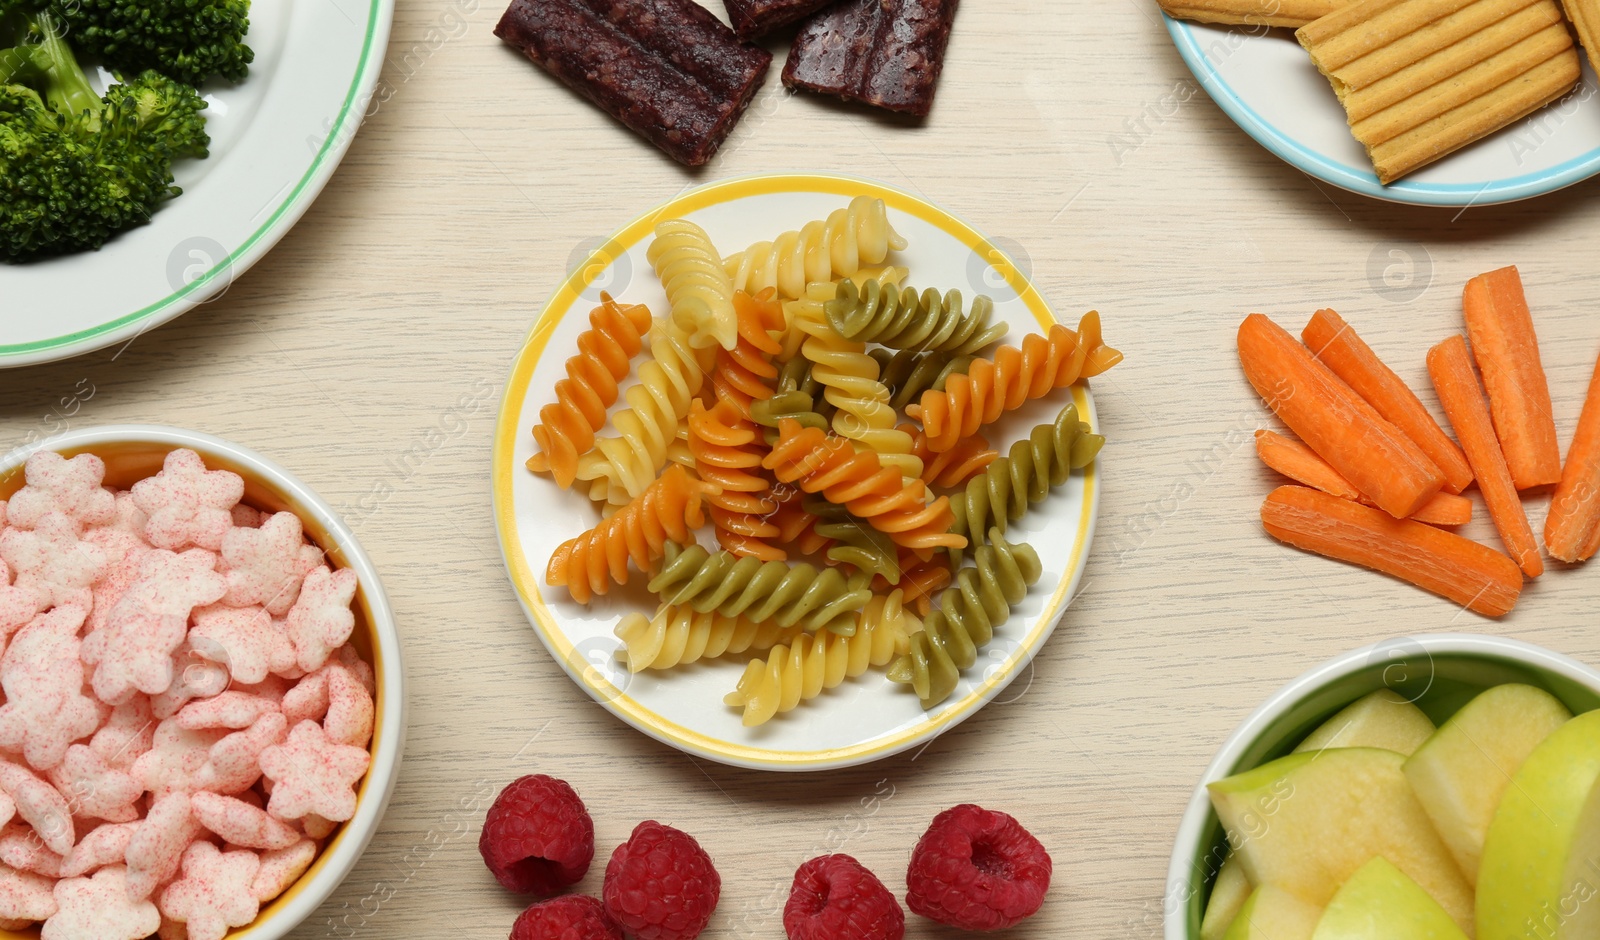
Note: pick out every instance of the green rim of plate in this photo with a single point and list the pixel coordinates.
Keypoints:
(338, 139)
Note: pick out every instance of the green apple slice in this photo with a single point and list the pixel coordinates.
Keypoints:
(1540, 878)
(1274, 914)
(1461, 772)
(1307, 822)
(1380, 903)
(1383, 719)
(1228, 897)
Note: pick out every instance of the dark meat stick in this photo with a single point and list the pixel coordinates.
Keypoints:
(886, 53)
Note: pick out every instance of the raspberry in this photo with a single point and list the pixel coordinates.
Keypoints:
(537, 837)
(977, 870)
(660, 884)
(835, 898)
(574, 917)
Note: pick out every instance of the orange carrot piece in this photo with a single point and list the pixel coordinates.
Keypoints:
(1301, 464)
(1445, 509)
(1451, 368)
(1501, 329)
(1336, 345)
(1473, 575)
(1573, 526)
(1332, 420)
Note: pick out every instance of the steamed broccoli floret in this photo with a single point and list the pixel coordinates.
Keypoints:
(189, 40)
(76, 168)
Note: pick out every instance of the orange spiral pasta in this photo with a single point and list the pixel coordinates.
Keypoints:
(669, 508)
(967, 459)
(796, 525)
(727, 454)
(920, 580)
(995, 386)
(745, 373)
(605, 356)
(830, 465)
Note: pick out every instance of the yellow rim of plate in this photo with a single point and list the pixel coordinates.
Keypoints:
(526, 581)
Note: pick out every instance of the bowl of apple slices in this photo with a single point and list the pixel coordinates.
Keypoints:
(1441, 787)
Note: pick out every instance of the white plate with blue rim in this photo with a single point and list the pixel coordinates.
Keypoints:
(1267, 84)
(276, 138)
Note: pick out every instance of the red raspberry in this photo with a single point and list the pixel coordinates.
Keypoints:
(574, 917)
(537, 837)
(977, 870)
(835, 898)
(660, 884)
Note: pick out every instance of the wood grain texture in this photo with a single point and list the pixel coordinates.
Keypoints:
(1072, 130)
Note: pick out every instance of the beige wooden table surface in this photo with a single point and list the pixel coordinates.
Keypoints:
(1071, 129)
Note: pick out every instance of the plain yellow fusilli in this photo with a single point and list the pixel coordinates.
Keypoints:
(699, 291)
(813, 663)
(840, 246)
(650, 425)
(850, 383)
(680, 635)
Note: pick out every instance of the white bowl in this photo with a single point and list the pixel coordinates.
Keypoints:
(135, 451)
(1440, 672)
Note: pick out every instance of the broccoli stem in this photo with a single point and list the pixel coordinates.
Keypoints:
(46, 61)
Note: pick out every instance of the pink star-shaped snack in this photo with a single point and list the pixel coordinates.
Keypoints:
(133, 653)
(157, 845)
(232, 710)
(18, 605)
(245, 639)
(25, 896)
(124, 559)
(45, 709)
(308, 700)
(266, 565)
(311, 774)
(52, 561)
(317, 827)
(193, 677)
(350, 709)
(100, 908)
(241, 824)
(214, 892)
(321, 620)
(188, 504)
(40, 806)
(126, 735)
(281, 868)
(94, 789)
(175, 757)
(21, 849)
(70, 487)
(234, 763)
(248, 517)
(101, 846)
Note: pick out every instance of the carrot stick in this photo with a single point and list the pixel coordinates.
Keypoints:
(1573, 526)
(1503, 341)
(1301, 464)
(1336, 345)
(1333, 420)
(1473, 575)
(1451, 368)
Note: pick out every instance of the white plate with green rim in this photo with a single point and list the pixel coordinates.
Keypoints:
(865, 719)
(276, 139)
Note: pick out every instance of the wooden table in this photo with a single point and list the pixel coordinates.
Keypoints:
(1070, 129)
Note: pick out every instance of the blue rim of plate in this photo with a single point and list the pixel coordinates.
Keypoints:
(1362, 180)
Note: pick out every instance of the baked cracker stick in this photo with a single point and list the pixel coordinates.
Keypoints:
(1420, 79)
(1585, 15)
(1288, 13)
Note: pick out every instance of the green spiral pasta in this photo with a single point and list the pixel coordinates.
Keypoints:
(856, 543)
(761, 591)
(1040, 462)
(907, 373)
(964, 622)
(901, 319)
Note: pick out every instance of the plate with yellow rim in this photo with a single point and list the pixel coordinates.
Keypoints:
(864, 719)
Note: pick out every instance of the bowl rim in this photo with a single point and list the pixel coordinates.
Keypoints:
(1180, 886)
(339, 858)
